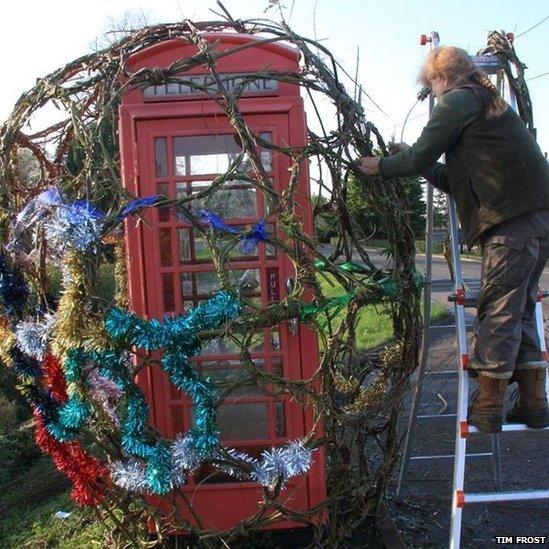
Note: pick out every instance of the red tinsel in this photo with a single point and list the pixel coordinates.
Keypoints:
(54, 377)
(84, 470)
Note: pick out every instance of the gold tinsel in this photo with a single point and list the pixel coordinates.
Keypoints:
(369, 397)
(7, 341)
(121, 296)
(75, 323)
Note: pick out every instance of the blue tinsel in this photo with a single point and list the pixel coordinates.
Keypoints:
(13, 289)
(73, 413)
(215, 222)
(258, 233)
(136, 204)
(250, 239)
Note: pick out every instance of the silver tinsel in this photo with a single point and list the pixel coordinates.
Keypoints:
(75, 227)
(282, 463)
(184, 456)
(234, 470)
(275, 464)
(32, 337)
(129, 475)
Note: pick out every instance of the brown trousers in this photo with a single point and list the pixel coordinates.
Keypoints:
(514, 254)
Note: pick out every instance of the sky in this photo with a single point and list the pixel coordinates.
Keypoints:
(38, 37)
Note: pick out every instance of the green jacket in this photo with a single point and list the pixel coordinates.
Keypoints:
(494, 168)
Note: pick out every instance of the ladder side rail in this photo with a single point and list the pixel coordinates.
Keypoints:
(463, 383)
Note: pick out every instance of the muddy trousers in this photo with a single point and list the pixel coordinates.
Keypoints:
(514, 254)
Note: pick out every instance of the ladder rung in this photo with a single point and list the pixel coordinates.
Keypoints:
(506, 496)
(441, 372)
(435, 416)
(508, 428)
(447, 326)
(450, 456)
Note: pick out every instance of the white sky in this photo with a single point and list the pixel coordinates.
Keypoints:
(40, 36)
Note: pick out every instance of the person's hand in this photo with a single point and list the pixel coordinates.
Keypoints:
(370, 165)
(397, 147)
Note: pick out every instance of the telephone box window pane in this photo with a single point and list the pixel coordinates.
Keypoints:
(206, 154)
(234, 203)
(168, 292)
(180, 190)
(228, 346)
(180, 165)
(226, 380)
(163, 213)
(270, 250)
(184, 245)
(209, 163)
(249, 280)
(161, 156)
(201, 250)
(186, 284)
(275, 340)
(266, 153)
(165, 247)
(207, 283)
(243, 421)
(280, 419)
(232, 200)
(277, 366)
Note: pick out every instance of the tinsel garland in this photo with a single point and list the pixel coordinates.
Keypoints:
(61, 408)
(85, 471)
(178, 338)
(44, 386)
(13, 289)
(249, 239)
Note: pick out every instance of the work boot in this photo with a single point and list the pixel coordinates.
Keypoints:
(531, 406)
(487, 408)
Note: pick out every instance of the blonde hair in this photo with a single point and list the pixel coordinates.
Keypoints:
(455, 65)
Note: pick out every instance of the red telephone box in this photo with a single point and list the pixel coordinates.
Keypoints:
(174, 141)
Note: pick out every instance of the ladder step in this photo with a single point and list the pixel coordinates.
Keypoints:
(506, 496)
(447, 326)
(509, 428)
(449, 456)
(436, 416)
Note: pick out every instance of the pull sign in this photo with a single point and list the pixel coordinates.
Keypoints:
(191, 87)
(273, 291)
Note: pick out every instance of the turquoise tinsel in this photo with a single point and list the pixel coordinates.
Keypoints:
(178, 336)
(74, 413)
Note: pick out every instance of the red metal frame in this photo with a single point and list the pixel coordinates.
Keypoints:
(218, 505)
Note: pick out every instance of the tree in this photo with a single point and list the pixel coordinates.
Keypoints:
(370, 222)
(326, 225)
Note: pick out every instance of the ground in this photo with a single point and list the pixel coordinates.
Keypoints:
(422, 515)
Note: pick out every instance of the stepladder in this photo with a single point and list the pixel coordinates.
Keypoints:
(463, 295)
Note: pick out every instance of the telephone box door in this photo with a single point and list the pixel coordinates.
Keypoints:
(180, 157)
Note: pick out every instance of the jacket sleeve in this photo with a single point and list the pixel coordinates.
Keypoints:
(437, 175)
(451, 115)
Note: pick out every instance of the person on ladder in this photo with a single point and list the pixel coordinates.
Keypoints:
(499, 179)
